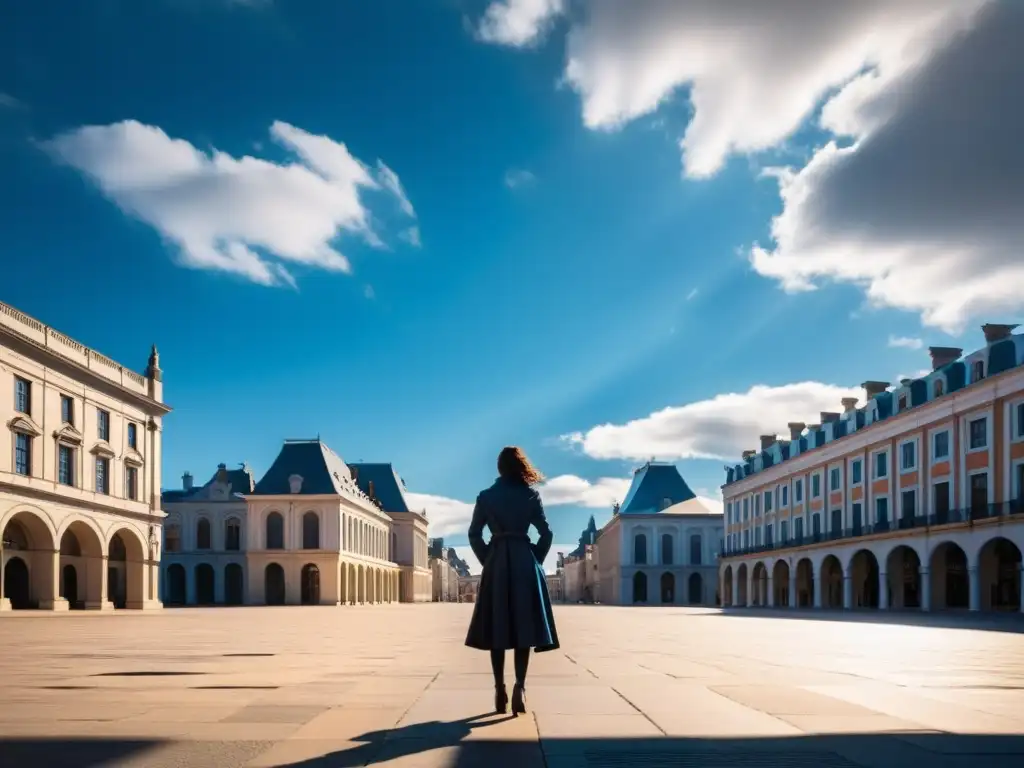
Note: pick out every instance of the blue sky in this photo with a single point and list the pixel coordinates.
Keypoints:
(424, 230)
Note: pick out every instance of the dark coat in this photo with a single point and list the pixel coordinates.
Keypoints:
(512, 608)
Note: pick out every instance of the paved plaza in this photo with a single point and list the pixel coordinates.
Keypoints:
(394, 686)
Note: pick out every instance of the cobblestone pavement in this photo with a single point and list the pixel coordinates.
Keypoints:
(394, 686)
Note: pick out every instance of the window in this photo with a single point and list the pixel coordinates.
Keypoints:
(816, 525)
(938, 389)
(908, 457)
(768, 535)
(67, 410)
(940, 448)
(798, 528)
(728, 512)
(901, 403)
(882, 513)
(815, 486)
(834, 479)
(311, 532)
(640, 549)
(1019, 421)
(746, 539)
(881, 465)
(172, 538)
(746, 508)
(232, 535)
(102, 475)
(909, 510)
(784, 531)
(1020, 483)
(856, 471)
(65, 465)
(131, 483)
(785, 495)
(757, 505)
(767, 501)
(979, 494)
(22, 454)
(757, 537)
(103, 425)
(133, 436)
(667, 549)
(696, 549)
(940, 493)
(837, 523)
(798, 492)
(22, 396)
(978, 431)
(977, 370)
(203, 534)
(858, 521)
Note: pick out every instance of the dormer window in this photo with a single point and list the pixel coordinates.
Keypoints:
(938, 390)
(666, 503)
(977, 370)
(902, 402)
(295, 483)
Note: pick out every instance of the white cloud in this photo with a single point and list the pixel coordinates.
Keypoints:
(411, 236)
(446, 517)
(916, 375)
(518, 22)
(905, 342)
(517, 177)
(570, 489)
(719, 428)
(247, 216)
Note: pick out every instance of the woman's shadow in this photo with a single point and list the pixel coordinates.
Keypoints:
(394, 743)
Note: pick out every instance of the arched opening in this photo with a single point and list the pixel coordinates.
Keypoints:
(69, 586)
(204, 538)
(639, 587)
(864, 573)
(695, 589)
(233, 535)
(273, 584)
(29, 581)
(903, 567)
(205, 584)
(780, 583)
(727, 591)
(805, 583)
(16, 583)
(949, 580)
(999, 573)
(311, 531)
(667, 549)
(831, 583)
(275, 531)
(640, 549)
(81, 559)
(176, 591)
(760, 585)
(234, 584)
(741, 585)
(668, 588)
(126, 576)
(310, 585)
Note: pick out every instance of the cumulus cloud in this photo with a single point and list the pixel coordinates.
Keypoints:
(245, 215)
(447, 517)
(518, 22)
(915, 199)
(719, 428)
(905, 342)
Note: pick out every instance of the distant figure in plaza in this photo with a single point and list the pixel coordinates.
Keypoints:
(512, 610)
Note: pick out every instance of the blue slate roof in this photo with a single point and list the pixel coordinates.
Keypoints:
(388, 487)
(322, 470)
(652, 484)
(240, 481)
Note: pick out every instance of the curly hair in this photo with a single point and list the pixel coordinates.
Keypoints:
(513, 465)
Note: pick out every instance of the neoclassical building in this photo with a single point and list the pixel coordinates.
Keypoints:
(80, 517)
(913, 501)
(661, 545)
(312, 531)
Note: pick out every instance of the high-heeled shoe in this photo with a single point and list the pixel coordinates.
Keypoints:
(518, 700)
(500, 700)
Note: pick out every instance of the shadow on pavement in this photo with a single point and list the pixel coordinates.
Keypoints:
(437, 744)
(990, 622)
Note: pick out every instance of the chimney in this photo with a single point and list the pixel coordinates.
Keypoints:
(996, 332)
(767, 441)
(905, 382)
(813, 427)
(943, 356)
(849, 404)
(827, 417)
(749, 455)
(795, 428)
(186, 481)
(872, 388)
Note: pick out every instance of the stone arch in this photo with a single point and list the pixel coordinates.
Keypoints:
(831, 576)
(176, 589)
(668, 587)
(999, 575)
(126, 567)
(311, 530)
(903, 577)
(727, 591)
(81, 562)
(695, 589)
(274, 587)
(234, 584)
(39, 528)
(804, 582)
(310, 585)
(780, 582)
(865, 579)
(639, 587)
(361, 584)
(948, 574)
(741, 584)
(759, 584)
(353, 584)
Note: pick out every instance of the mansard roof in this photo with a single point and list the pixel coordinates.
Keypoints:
(388, 487)
(656, 485)
(239, 481)
(322, 471)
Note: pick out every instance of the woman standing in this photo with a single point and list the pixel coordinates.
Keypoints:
(513, 610)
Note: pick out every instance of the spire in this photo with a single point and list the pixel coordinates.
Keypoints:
(153, 367)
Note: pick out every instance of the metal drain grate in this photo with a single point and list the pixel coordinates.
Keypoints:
(683, 758)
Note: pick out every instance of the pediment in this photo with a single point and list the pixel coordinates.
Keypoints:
(133, 458)
(103, 449)
(68, 434)
(24, 425)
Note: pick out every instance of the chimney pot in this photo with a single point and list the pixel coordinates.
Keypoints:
(996, 331)
(873, 388)
(828, 417)
(767, 441)
(813, 427)
(944, 356)
(795, 428)
(186, 481)
(849, 403)
(749, 454)
(905, 382)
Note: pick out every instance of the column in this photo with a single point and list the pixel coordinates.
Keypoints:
(771, 593)
(736, 587)
(974, 587)
(847, 592)
(750, 587)
(817, 591)
(5, 604)
(926, 588)
(96, 584)
(1019, 592)
(792, 588)
(47, 565)
(883, 591)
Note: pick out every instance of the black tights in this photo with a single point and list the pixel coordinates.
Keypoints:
(521, 659)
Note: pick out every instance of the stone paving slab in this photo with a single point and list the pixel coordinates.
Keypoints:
(394, 686)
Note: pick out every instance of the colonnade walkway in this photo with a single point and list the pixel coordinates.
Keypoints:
(394, 685)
